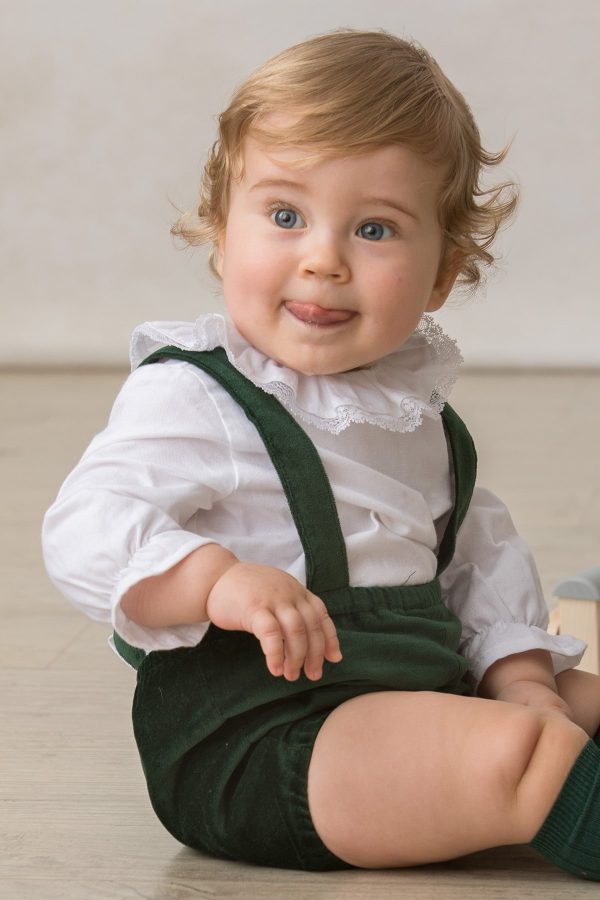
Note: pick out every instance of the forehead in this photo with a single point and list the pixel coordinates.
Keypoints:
(388, 168)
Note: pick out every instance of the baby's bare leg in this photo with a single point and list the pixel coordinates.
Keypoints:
(581, 690)
(399, 779)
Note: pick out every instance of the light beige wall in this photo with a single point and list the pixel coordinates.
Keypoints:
(109, 107)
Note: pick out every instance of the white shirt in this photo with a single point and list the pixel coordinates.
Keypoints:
(179, 466)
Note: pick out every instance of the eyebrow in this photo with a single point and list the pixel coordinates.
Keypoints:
(277, 183)
(385, 201)
(297, 185)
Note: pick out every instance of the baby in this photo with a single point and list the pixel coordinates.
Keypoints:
(281, 522)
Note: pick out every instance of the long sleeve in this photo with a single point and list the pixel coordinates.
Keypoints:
(493, 587)
(121, 515)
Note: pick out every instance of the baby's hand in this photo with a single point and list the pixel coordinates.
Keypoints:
(292, 624)
(531, 693)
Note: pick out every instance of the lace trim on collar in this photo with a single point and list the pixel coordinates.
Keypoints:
(395, 393)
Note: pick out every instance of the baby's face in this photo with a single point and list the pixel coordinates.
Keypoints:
(330, 267)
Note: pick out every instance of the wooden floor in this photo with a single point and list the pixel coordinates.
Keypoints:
(75, 822)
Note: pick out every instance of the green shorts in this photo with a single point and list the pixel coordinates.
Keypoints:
(226, 747)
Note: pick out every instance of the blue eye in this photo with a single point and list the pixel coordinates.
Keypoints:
(286, 218)
(374, 231)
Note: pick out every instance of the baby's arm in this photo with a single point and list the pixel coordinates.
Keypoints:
(291, 623)
(119, 528)
(526, 678)
(493, 587)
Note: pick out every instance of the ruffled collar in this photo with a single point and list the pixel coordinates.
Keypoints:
(395, 393)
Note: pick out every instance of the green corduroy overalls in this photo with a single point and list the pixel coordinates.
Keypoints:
(225, 746)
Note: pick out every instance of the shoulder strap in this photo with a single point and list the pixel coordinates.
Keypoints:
(303, 478)
(296, 461)
(464, 465)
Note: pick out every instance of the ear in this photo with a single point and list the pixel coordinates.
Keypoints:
(446, 276)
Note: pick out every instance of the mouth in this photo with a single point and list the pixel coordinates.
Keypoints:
(312, 314)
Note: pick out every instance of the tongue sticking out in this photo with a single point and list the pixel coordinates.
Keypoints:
(317, 315)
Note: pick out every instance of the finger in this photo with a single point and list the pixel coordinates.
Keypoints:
(313, 664)
(295, 640)
(332, 651)
(265, 627)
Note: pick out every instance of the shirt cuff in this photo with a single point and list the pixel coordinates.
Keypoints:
(505, 638)
(158, 555)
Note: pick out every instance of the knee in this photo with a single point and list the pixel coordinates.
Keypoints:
(534, 755)
(514, 746)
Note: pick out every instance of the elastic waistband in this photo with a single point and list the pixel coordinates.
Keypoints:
(402, 598)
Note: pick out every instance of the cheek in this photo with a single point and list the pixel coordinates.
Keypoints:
(409, 280)
(249, 265)
(389, 282)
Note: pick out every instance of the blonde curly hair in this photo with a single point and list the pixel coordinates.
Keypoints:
(351, 92)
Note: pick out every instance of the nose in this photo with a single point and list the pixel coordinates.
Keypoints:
(323, 256)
